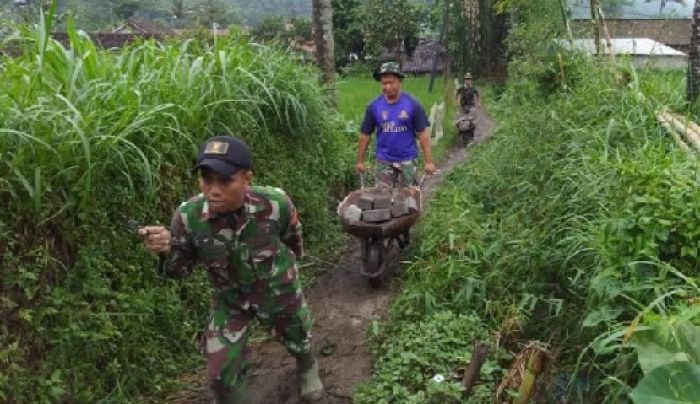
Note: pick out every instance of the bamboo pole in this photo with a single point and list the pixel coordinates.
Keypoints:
(606, 34)
(672, 131)
(690, 134)
(535, 362)
(692, 125)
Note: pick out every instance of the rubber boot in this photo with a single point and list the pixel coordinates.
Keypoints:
(310, 382)
(233, 396)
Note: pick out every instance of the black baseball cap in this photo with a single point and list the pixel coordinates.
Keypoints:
(224, 154)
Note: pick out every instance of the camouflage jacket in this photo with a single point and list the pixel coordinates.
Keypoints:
(258, 242)
(466, 95)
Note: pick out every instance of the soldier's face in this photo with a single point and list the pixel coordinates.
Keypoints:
(224, 194)
(391, 85)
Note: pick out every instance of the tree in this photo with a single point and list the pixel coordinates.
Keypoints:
(125, 9)
(302, 29)
(387, 24)
(271, 27)
(180, 12)
(210, 12)
(693, 86)
(27, 10)
(322, 12)
(347, 30)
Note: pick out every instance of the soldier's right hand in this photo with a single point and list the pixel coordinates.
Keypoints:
(360, 167)
(156, 239)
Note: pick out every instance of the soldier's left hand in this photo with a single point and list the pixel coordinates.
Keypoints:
(430, 168)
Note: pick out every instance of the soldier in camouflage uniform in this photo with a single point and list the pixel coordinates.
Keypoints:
(399, 120)
(467, 96)
(248, 238)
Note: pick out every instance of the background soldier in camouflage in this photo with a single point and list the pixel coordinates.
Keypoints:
(399, 120)
(467, 95)
(248, 238)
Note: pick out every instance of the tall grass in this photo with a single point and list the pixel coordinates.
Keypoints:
(91, 138)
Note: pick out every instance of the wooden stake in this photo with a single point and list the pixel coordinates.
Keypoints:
(481, 352)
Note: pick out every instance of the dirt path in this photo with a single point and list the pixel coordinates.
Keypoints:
(343, 305)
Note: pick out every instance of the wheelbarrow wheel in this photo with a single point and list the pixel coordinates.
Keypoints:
(373, 262)
(375, 282)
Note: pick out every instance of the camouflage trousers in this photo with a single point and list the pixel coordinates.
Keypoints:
(404, 173)
(282, 310)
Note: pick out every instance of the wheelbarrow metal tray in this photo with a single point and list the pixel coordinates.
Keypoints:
(389, 228)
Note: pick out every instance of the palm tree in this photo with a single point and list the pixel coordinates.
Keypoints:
(694, 56)
(323, 36)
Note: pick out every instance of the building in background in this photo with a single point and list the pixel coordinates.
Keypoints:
(666, 22)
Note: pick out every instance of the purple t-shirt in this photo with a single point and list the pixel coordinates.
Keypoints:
(397, 125)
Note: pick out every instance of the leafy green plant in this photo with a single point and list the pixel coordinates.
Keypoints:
(669, 356)
(420, 362)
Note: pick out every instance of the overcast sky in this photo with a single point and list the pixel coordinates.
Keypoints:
(637, 9)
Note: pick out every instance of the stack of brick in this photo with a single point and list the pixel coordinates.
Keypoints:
(376, 207)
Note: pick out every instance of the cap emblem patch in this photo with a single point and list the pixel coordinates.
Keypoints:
(216, 148)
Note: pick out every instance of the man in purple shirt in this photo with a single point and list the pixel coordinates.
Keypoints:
(399, 120)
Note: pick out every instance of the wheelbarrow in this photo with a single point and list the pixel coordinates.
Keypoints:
(379, 237)
(466, 125)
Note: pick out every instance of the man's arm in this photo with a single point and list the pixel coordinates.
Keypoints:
(362, 143)
(424, 139)
(174, 246)
(366, 129)
(291, 234)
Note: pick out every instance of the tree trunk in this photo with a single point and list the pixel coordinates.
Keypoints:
(596, 27)
(441, 47)
(472, 22)
(323, 37)
(693, 85)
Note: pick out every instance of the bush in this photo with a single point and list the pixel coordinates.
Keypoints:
(576, 220)
(91, 139)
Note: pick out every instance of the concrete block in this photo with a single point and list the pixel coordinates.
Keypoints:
(366, 202)
(376, 215)
(382, 202)
(411, 204)
(399, 209)
(352, 213)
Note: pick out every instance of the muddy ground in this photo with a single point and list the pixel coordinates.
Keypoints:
(343, 305)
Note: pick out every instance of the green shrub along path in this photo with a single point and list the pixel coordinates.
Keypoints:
(576, 225)
(90, 139)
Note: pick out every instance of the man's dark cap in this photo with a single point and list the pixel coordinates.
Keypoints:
(225, 155)
(388, 68)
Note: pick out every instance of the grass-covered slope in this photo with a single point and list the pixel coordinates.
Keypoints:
(90, 139)
(576, 224)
